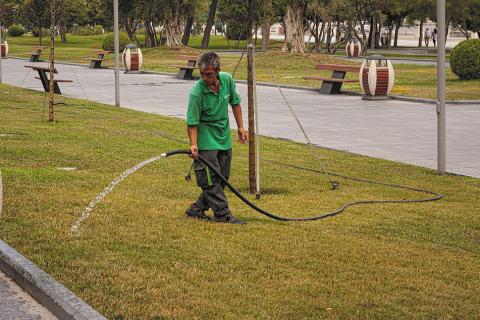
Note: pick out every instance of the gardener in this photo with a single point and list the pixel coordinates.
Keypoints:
(209, 134)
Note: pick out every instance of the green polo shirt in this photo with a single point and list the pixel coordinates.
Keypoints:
(208, 111)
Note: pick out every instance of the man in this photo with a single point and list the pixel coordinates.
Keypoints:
(428, 35)
(209, 133)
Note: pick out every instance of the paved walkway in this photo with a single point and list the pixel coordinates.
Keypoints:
(395, 130)
(16, 304)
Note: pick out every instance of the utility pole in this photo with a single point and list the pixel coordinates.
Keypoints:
(116, 48)
(441, 116)
(51, 108)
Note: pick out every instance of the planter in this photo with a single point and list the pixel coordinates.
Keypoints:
(353, 49)
(4, 49)
(132, 58)
(376, 77)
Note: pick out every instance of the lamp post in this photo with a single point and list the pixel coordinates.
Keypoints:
(441, 116)
(117, 54)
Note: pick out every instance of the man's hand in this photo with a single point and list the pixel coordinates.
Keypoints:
(242, 135)
(194, 152)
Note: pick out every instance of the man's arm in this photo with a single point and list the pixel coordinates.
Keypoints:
(192, 135)
(237, 113)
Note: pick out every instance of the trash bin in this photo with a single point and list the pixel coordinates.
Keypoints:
(4, 49)
(132, 58)
(376, 77)
(353, 48)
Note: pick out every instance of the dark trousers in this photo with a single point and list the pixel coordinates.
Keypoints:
(212, 195)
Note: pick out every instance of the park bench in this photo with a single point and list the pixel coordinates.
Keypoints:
(42, 76)
(185, 72)
(333, 84)
(37, 51)
(96, 63)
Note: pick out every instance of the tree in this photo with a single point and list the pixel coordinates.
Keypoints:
(70, 12)
(294, 19)
(36, 14)
(209, 25)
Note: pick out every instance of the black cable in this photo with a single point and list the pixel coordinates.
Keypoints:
(437, 196)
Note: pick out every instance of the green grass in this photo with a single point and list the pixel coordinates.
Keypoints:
(411, 80)
(138, 257)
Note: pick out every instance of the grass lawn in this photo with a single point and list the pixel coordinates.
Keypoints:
(411, 80)
(138, 257)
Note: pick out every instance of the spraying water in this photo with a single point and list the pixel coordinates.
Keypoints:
(86, 213)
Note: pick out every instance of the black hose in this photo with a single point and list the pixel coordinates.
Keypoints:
(437, 196)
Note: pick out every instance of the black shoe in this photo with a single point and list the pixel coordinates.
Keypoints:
(197, 215)
(229, 218)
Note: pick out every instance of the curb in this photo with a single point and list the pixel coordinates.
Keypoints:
(47, 291)
(430, 101)
(1, 195)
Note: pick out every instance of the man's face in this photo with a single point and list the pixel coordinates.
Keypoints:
(208, 74)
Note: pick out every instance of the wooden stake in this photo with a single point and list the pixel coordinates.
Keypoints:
(51, 110)
(251, 113)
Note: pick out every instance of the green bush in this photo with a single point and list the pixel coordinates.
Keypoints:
(236, 30)
(465, 59)
(87, 31)
(15, 30)
(36, 32)
(108, 43)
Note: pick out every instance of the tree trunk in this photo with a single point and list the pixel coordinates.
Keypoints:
(373, 32)
(210, 22)
(265, 36)
(187, 31)
(420, 38)
(295, 41)
(63, 34)
(173, 33)
(40, 36)
(397, 30)
(338, 33)
(328, 43)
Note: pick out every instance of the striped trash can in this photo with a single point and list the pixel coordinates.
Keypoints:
(353, 49)
(4, 49)
(132, 58)
(376, 77)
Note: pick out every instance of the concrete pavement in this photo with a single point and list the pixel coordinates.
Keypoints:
(394, 130)
(17, 304)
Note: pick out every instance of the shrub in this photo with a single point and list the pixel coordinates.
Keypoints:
(236, 30)
(465, 59)
(108, 43)
(87, 31)
(15, 30)
(36, 32)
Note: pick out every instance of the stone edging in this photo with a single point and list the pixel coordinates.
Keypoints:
(1, 195)
(42, 287)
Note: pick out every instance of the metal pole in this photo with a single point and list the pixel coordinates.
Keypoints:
(257, 134)
(117, 48)
(441, 116)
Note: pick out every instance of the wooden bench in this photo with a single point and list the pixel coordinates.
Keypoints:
(95, 63)
(185, 72)
(42, 76)
(37, 51)
(333, 84)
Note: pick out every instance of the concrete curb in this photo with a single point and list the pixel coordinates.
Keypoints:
(285, 86)
(1, 195)
(47, 291)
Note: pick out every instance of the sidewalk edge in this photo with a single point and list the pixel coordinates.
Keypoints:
(43, 288)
